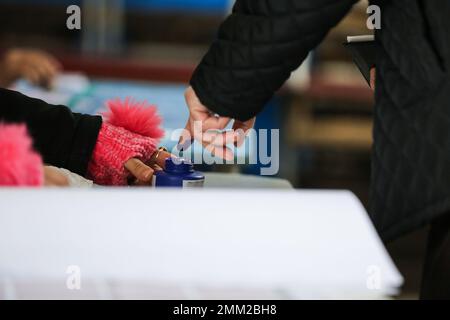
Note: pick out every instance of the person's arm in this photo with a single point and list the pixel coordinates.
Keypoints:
(64, 139)
(257, 48)
(108, 152)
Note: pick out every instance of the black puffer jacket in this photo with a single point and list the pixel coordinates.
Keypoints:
(263, 41)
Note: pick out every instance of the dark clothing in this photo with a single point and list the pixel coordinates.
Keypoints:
(410, 183)
(256, 49)
(259, 45)
(436, 272)
(64, 139)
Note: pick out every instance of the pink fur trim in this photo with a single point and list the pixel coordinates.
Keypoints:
(20, 165)
(137, 117)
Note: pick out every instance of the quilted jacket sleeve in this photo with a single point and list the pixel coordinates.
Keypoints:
(257, 48)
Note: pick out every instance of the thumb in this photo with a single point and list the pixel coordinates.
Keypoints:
(139, 170)
(186, 137)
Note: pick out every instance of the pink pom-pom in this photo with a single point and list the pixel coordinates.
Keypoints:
(137, 117)
(19, 164)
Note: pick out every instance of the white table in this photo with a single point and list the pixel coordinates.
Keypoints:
(210, 243)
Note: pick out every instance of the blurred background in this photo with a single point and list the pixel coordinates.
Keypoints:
(324, 112)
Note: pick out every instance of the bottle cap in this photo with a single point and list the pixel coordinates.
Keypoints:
(178, 165)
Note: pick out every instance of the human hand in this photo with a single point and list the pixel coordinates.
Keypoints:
(207, 128)
(38, 67)
(141, 173)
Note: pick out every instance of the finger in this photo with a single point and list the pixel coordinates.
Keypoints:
(44, 74)
(240, 137)
(56, 65)
(48, 63)
(49, 72)
(141, 183)
(244, 125)
(220, 138)
(210, 129)
(45, 66)
(156, 168)
(200, 113)
(215, 123)
(31, 75)
(185, 138)
(159, 159)
(197, 130)
(139, 170)
(219, 151)
(242, 129)
(236, 135)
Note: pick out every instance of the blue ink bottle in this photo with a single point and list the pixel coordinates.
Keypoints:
(179, 173)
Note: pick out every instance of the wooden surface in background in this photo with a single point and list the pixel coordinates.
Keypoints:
(128, 69)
